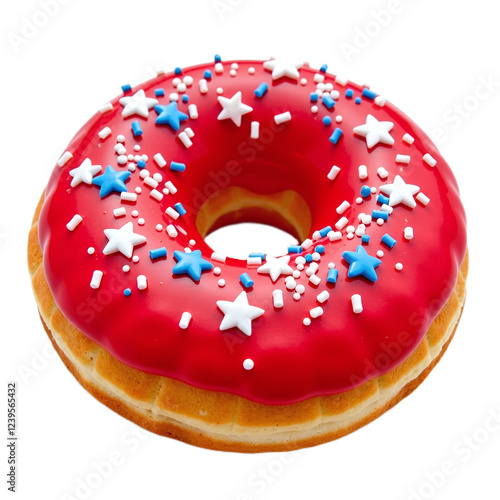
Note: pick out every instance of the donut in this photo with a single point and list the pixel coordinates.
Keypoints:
(272, 352)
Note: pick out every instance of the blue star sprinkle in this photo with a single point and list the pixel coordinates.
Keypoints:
(111, 180)
(190, 263)
(361, 264)
(170, 115)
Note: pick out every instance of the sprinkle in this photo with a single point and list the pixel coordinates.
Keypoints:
(149, 181)
(312, 268)
(365, 238)
(357, 305)
(382, 199)
(323, 232)
(380, 214)
(91, 250)
(380, 101)
(171, 188)
(188, 80)
(159, 228)
(178, 71)
(246, 280)
(332, 275)
(159, 160)
(296, 296)
(343, 207)
(333, 173)
(403, 159)
(254, 261)
(323, 297)
(136, 128)
(319, 78)
(282, 118)
(126, 196)
(334, 235)
(186, 141)
(64, 159)
(314, 109)
(313, 97)
(294, 249)
(315, 279)
(156, 195)
(142, 282)
(119, 212)
(158, 253)
(341, 223)
(248, 364)
(157, 177)
(335, 137)
(423, 199)
(135, 213)
(363, 172)
(408, 139)
(177, 167)
(387, 208)
(290, 283)
(106, 108)
(429, 160)
(96, 279)
(341, 81)
(380, 253)
(218, 257)
(219, 68)
(357, 100)
(104, 133)
(382, 173)
(261, 90)
(159, 92)
(349, 93)
(185, 320)
(126, 88)
(408, 233)
(189, 132)
(308, 258)
(328, 101)
(71, 225)
(122, 159)
(398, 266)
(388, 240)
(217, 271)
(171, 231)
(127, 292)
(221, 282)
(307, 243)
(316, 312)
(306, 321)
(254, 130)
(327, 120)
(369, 94)
(319, 249)
(126, 268)
(365, 191)
(180, 209)
(193, 111)
(203, 85)
(172, 213)
(260, 255)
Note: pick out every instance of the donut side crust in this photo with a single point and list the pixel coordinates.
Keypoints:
(221, 421)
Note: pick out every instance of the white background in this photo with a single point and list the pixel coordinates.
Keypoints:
(429, 59)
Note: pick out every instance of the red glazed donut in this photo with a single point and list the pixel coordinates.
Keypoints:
(270, 353)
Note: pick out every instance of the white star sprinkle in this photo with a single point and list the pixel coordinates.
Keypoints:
(239, 313)
(400, 192)
(282, 68)
(375, 132)
(122, 240)
(84, 173)
(276, 267)
(233, 108)
(138, 104)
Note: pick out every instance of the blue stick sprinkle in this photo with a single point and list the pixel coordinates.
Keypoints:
(388, 240)
(158, 253)
(335, 137)
(369, 94)
(180, 208)
(323, 232)
(136, 128)
(380, 214)
(159, 92)
(323, 68)
(126, 88)
(178, 167)
(365, 238)
(246, 280)
(383, 200)
(332, 276)
(314, 97)
(294, 249)
(328, 101)
(217, 58)
(257, 254)
(349, 93)
(261, 90)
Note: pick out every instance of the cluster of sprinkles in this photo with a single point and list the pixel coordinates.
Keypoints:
(363, 260)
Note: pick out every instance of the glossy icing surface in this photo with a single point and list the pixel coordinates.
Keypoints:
(237, 339)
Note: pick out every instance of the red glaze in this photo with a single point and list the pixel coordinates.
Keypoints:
(340, 349)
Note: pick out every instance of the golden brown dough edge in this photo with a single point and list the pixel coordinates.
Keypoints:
(226, 422)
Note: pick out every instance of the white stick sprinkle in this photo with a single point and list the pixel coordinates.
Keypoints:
(105, 132)
(218, 257)
(282, 118)
(254, 130)
(171, 188)
(185, 320)
(119, 212)
(316, 312)
(64, 159)
(96, 279)
(186, 141)
(278, 299)
(142, 282)
(125, 196)
(71, 225)
(160, 161)
(429, 160)
(323, 297)
(172, 213)
(333, 173)
(193, 111)
(403, 159)
(357, 305)
(343, 207)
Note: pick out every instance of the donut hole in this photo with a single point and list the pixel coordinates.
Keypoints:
(238, 222)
